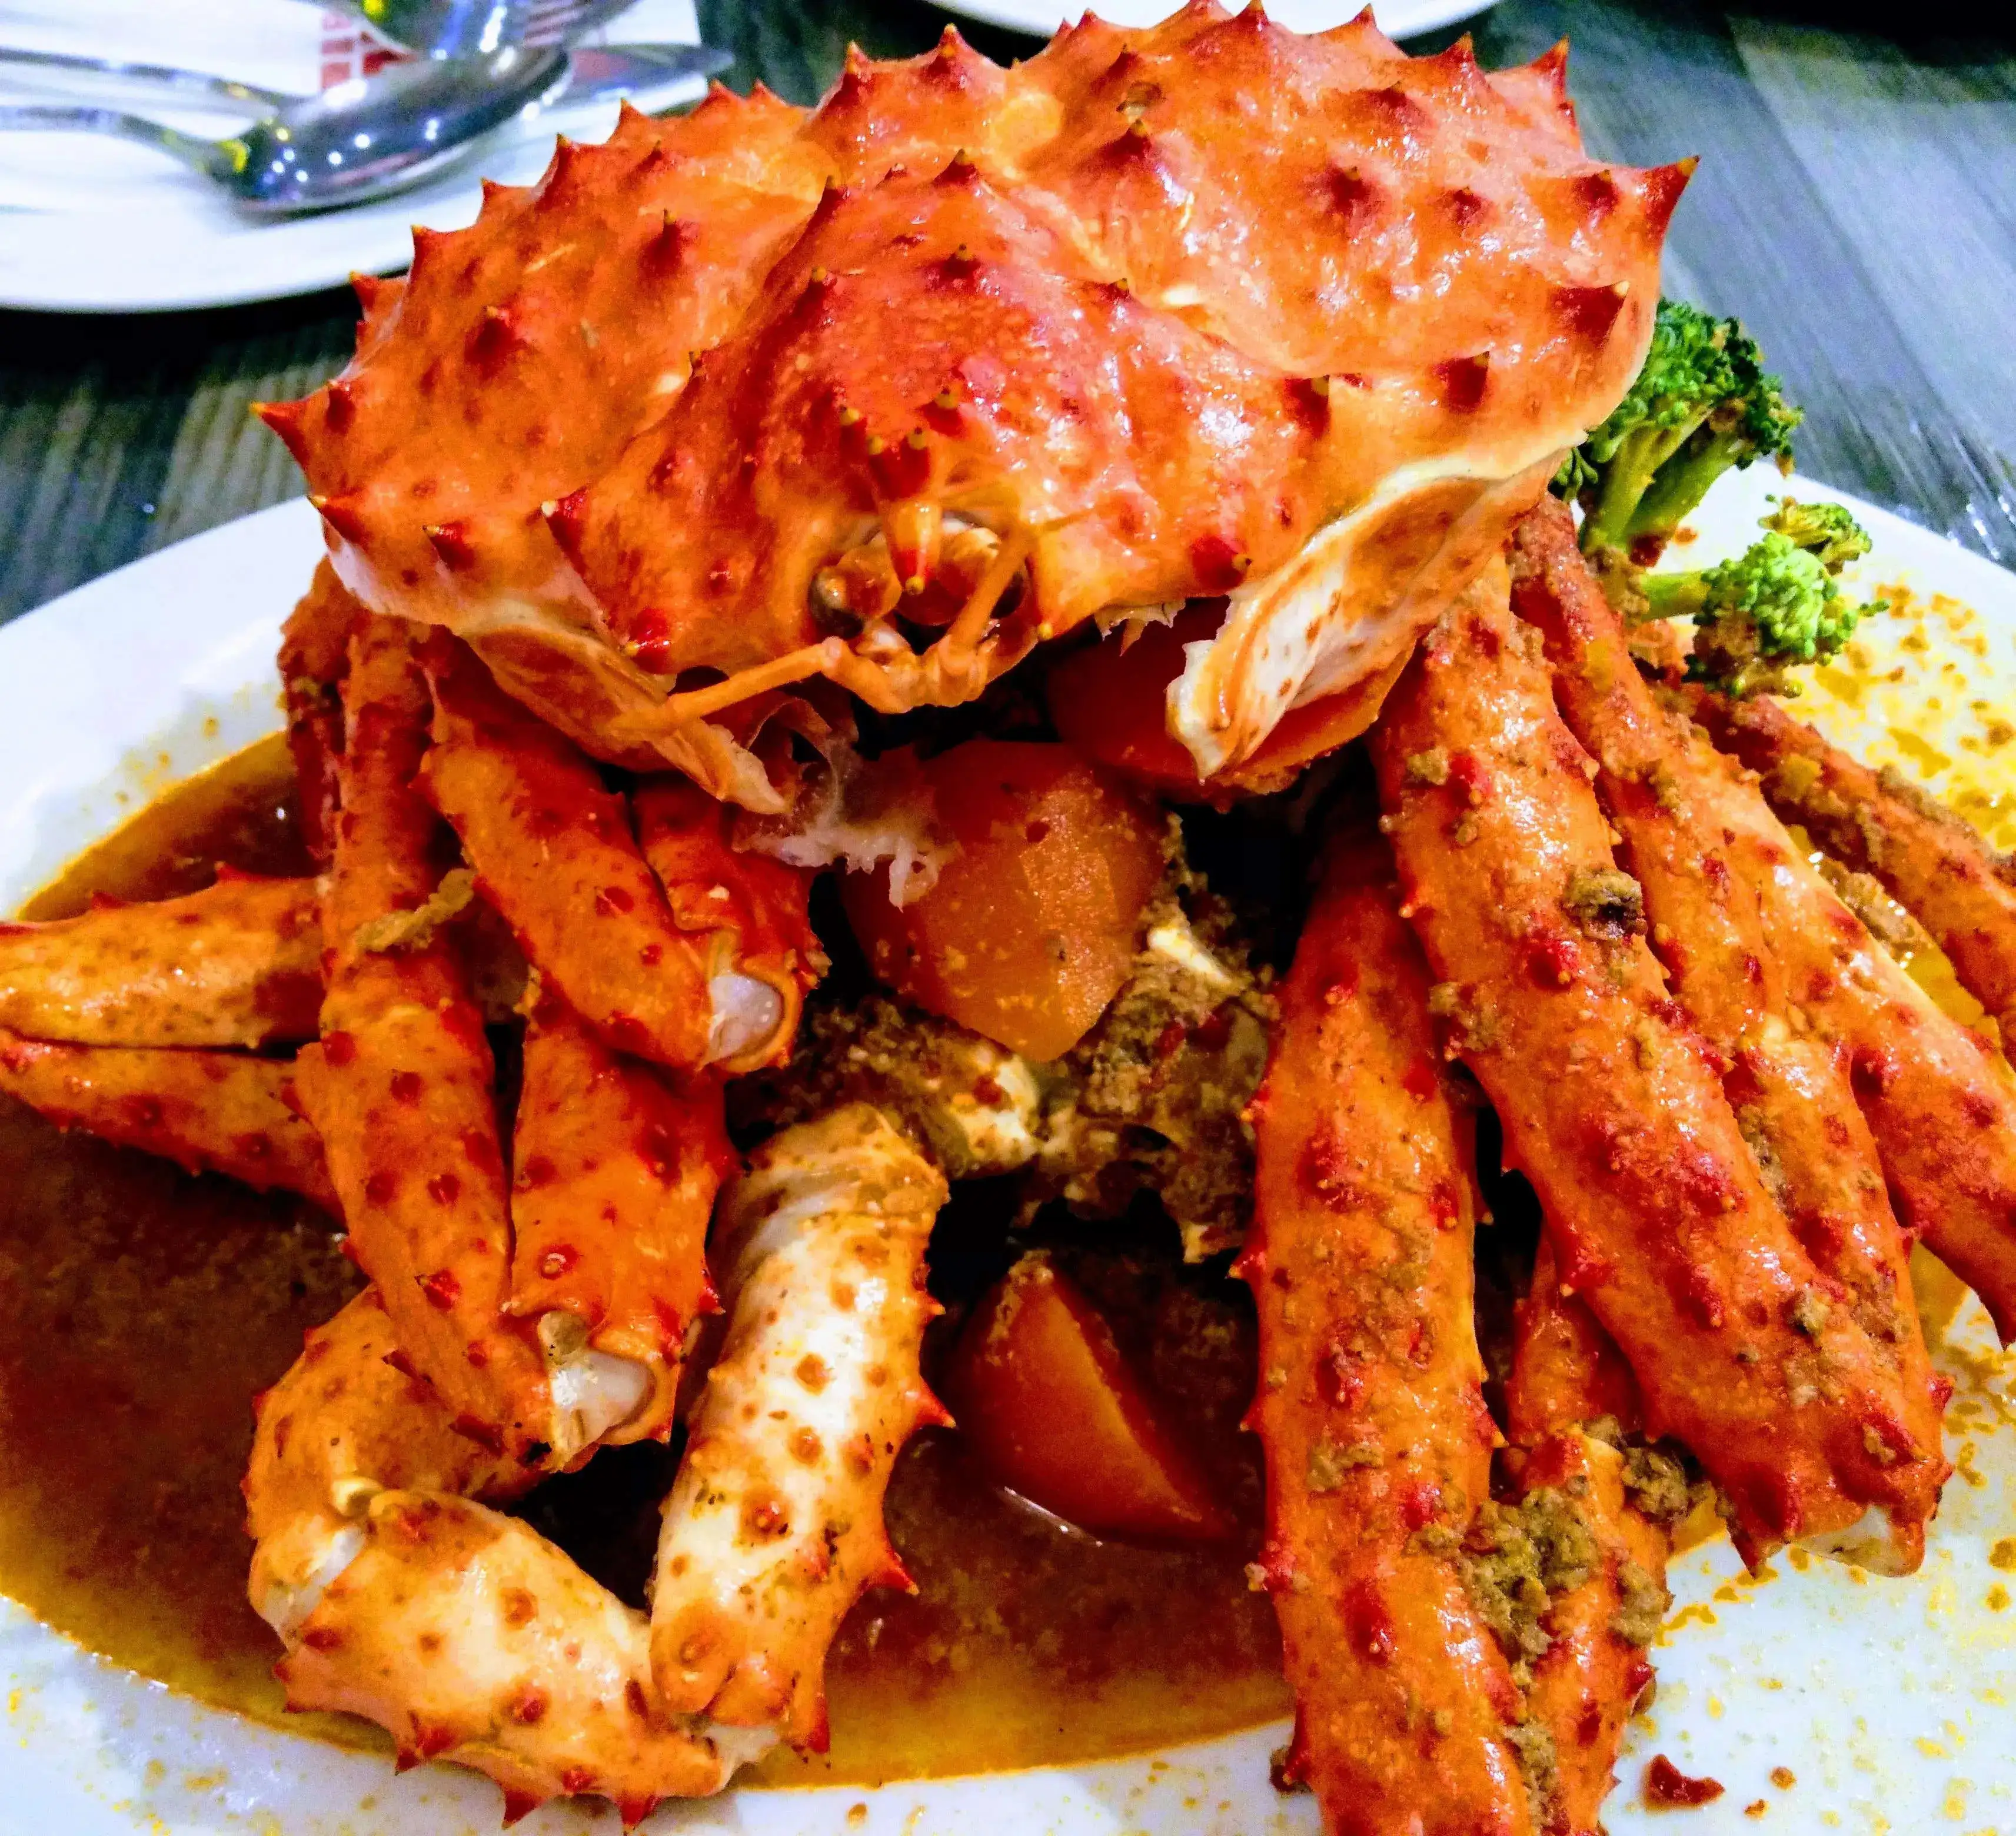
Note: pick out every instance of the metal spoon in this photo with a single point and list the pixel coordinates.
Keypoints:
(596, 73)
(476, 28)
(355, 142)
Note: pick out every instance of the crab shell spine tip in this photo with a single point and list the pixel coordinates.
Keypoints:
(519, 1805)
(343, 514)
(286, 418)
(1660, 187)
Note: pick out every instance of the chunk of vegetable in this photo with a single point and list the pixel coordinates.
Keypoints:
(1031, 928)
(1040, 1392)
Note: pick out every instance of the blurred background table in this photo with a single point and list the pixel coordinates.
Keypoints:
(1856, 205)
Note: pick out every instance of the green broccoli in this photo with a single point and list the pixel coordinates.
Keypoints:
(1826, 530)
(1702, 403)
(1776, 605)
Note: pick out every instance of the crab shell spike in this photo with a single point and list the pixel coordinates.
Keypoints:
(496, 335)
(664, 253)
(338, 406)
(344, 515)
(653, 166)
(1588, 313)
(1552, 67)
(562, 516)
(1464, 381)
(1354, 28)
(286, 419)
(1659, 191)
(856, 77)
(426, 247)
(892, 1574)
(451, 541)
(369, 289)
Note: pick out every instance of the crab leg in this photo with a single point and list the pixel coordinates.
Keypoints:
(400, 1088)
(1931, 860)
(1940, 1103)
(614, 1180)
(236, 964)
(313, 654)
(1789, 1091)
(210, 1112)
(553, 853)
(1657, 1211)
(740, 909)
(1370, 1408)
(774, 1526)
(461, 1631)
(1569, 1395)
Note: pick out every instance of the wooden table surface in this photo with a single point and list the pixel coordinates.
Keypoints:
(1855, 204)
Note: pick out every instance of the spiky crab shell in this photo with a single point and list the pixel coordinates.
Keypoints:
(1156, 308)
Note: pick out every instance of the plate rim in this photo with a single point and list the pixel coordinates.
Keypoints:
(1040, 18)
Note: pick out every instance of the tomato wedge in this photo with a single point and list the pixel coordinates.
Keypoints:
(1044, 1399)
(1032, 925)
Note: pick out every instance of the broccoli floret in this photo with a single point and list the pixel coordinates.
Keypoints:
(1826, 532)
(1775, 605)
(1702, 403)
(1576, 475)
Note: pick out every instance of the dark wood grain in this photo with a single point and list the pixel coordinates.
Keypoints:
(114, 434)
(1855, 204)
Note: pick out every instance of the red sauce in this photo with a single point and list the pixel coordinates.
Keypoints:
(1667, 1789)
(146, 1308)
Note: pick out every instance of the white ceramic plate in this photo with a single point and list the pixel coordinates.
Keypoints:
(89, 224)
(1887, 1700)
(1397, 19)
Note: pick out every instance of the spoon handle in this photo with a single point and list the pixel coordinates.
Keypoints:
(191, 82)
(207, 156)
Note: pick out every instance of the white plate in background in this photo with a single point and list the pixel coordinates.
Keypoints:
(1889, 1701)
(1397, 19)
(92, 225)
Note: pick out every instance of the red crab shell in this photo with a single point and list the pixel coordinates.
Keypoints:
(893, 390)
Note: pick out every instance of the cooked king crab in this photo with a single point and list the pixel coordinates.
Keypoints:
(894, 390)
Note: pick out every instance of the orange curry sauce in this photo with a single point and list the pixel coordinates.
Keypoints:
(146, 1308)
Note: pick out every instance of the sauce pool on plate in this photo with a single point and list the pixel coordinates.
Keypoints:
(147, 1308)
